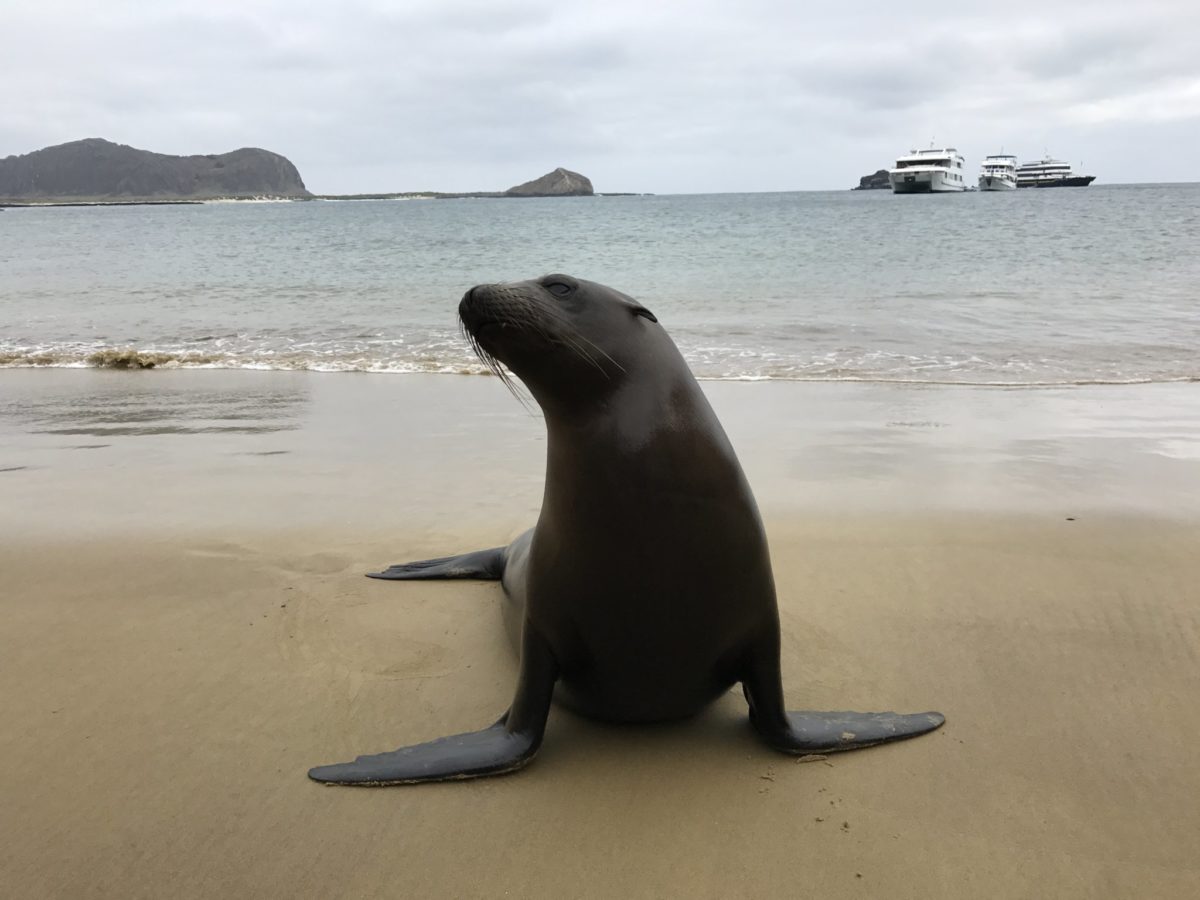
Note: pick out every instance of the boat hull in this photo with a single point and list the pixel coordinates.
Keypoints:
(996, 183)
(1069, 181)
(923, 183)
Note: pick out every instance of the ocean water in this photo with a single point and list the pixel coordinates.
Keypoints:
(1069, 286)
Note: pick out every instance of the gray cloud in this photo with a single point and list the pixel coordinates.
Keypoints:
(670, 96)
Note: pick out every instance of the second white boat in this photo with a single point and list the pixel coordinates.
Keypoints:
(998, 173)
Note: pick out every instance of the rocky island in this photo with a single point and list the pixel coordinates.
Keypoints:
(559, 183)
(99, 171)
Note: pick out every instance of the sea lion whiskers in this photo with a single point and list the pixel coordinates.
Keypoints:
(570, 336)
(523, 314)
(572, 342)
(495, 367)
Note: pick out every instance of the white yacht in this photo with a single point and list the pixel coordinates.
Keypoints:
(1050, 173)
(998, 173)
(928, 171)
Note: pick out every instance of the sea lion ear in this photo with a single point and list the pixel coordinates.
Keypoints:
(642, 311)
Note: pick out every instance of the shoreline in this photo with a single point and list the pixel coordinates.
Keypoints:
(181, 440)
(133, 359)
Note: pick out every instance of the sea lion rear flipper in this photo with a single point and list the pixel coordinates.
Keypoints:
(508, 745)
(818, 732)
(834, 732)
(492, 751)
(483, 564)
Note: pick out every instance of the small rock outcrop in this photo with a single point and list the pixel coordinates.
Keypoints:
(99, 170)
(559, 183)
(877, 182)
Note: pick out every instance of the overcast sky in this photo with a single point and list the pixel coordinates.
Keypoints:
(655, 95)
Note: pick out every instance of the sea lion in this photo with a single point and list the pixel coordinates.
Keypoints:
(645, 590)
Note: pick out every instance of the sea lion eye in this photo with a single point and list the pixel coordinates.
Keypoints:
(642, 311)
(558, 288)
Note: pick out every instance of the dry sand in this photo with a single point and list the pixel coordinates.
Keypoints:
(186, 630)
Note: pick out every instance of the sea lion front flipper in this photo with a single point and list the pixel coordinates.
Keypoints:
(484, 564)
(817, 732)
(508, 745)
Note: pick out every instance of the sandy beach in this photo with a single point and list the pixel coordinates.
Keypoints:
(187, 630)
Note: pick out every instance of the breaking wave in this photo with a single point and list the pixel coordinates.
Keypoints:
(138, 359)
(709, 363)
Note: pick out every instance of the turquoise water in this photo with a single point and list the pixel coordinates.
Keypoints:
(1032, 287)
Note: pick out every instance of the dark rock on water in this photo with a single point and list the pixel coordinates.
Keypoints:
(877, 182)
(559, 183)
(99, 170)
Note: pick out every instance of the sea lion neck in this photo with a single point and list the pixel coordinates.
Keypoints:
(633, 403)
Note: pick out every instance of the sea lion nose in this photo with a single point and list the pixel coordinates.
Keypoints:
(468, 301)
(476, 299)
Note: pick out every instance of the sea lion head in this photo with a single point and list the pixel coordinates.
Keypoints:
(561, 335)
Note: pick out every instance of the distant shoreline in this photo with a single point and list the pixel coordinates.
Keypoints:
(21, 204)
(13, 203)
(199, 201)
(467, 195)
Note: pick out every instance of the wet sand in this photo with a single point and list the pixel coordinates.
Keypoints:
(187, 631)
